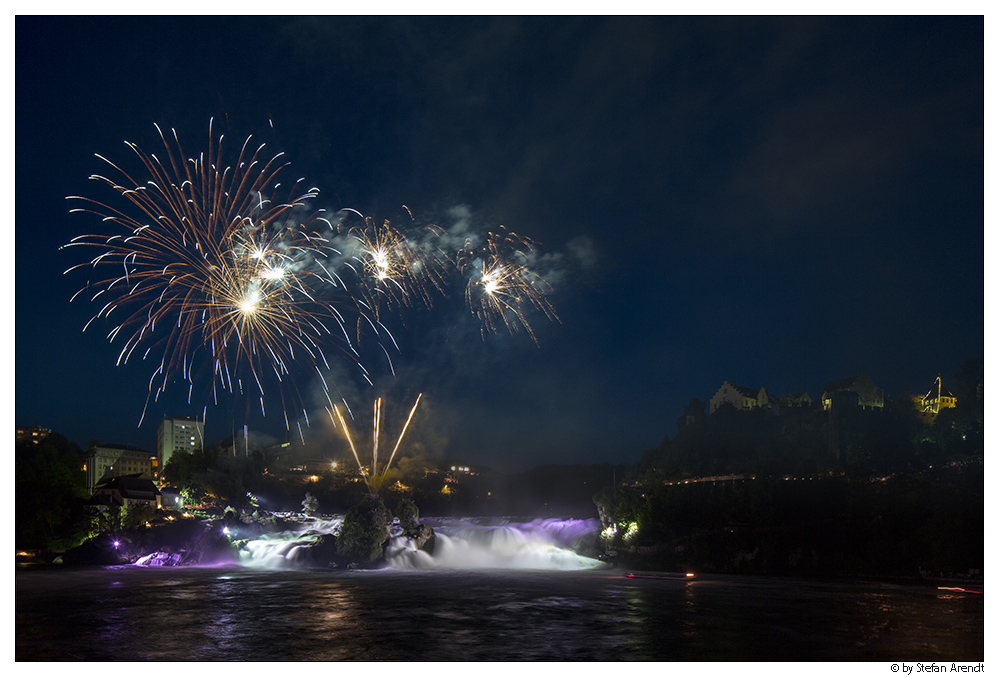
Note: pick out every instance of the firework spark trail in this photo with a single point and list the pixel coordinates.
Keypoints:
(216, 274)
(501, 287)
(403, 433)
(394, 268)
(374, 477)
(346, 432)
(208, 266)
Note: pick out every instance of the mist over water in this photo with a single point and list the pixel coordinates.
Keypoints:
(551, 544)
(288, 548)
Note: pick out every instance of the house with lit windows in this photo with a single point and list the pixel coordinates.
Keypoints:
(180, 433)
(32, 433)
(107, 461)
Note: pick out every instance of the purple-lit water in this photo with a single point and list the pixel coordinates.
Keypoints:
(461, 543)
(498, 596)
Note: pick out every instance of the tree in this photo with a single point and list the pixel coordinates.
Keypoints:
(967, 420)
(50, 494)
(364, 531)
(408, 514)
(310, 506)
(183, 465)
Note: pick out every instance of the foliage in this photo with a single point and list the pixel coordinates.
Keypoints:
(193, 494)
(116, 519)
(932, 520)
(50, 494)
(210, 476)
(408, 514)
(364, 531)
(310, 506)
(808, 441)
(732, 441)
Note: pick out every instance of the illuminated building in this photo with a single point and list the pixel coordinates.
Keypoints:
(33, 433)
(937, 398)
(739, 397)
(180, 433)
(112, 460)
(454, 475)
(856, 391)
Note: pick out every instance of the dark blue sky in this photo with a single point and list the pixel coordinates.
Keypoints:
(773, 202)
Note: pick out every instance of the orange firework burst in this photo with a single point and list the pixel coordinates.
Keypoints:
(209, 266)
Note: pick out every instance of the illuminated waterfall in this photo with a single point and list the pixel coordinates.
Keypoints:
(467, 544)
(458, 544)
(289, 548)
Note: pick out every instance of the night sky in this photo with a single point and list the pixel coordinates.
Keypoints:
(772, 202)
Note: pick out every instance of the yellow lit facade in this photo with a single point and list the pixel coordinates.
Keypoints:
(938, 398)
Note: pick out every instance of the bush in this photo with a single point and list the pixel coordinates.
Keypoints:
(408, 514)
(364, 531)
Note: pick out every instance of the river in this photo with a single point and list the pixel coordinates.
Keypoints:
(238, 613)
(530, 599)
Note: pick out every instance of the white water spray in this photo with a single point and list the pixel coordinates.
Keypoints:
(289, 548)
(468, 544)
(458, 545)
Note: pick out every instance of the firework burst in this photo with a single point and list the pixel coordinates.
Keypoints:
(210, 270)
(395, 269)
(222, 276)
(501, 287)
(374, 475)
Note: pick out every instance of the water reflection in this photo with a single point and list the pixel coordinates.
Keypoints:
(243, 614)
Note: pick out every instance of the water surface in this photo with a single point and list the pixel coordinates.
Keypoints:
(241, 613)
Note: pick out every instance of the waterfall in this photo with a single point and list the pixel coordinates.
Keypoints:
(468, 544)
(289, 548)
(557, 544)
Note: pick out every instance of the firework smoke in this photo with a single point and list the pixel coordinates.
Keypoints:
(221, 274)
(212, 272)
(501, 287)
